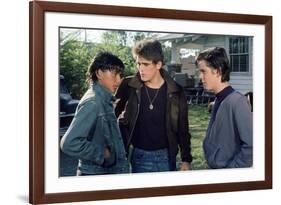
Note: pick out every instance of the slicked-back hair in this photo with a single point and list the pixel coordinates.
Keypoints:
(104, 61)
(149, 49)
(217, 59)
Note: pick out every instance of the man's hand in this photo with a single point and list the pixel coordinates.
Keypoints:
(106, 153)
(184, 166)
(115, 102)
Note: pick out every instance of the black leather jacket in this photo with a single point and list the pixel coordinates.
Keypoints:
(176, 115)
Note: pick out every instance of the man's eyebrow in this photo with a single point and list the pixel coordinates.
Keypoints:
(145, 63)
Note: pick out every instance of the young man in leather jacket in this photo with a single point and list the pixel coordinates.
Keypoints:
(153, 114)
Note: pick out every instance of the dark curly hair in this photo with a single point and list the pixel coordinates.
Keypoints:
(104, 61)
(216, 58)
(149, 49)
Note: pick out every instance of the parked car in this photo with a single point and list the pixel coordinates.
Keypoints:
(67, 106)
(184, 80)
(195, 94)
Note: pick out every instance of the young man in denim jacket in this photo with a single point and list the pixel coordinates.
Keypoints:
(93, 135)
(229, 138)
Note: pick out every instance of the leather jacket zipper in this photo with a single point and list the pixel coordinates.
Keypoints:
(135, 122)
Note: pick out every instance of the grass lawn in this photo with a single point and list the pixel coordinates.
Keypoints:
(198, 122)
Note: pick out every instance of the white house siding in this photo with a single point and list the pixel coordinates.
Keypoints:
(214, 41)
(176, 50)
(241, 83)
(188, 65)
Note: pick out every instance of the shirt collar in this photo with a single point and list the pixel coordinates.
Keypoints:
(225, 92)
(102, 92)
(171, 85)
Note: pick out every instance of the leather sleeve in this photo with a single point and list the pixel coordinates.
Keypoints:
(122, 94)
(184, 136)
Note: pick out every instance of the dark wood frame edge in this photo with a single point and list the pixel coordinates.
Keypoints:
(36, 105)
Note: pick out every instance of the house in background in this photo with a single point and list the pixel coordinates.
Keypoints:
(185, 47)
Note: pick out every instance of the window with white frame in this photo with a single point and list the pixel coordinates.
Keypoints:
(239, 54)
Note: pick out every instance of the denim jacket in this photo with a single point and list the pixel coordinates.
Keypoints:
(94, 128)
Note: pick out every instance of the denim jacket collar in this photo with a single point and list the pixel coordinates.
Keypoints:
(102, 92)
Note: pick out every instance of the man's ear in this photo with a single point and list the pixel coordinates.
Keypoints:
(159, 65)
(219, 73)
(99, 74)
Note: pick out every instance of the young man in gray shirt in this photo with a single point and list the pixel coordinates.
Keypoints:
(229, 138)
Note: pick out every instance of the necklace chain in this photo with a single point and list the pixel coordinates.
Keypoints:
(153, 99)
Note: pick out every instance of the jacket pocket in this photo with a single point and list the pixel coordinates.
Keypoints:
(111, 132)
(111, 160)
(212, 154)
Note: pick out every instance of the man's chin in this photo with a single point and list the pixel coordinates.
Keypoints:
(205, 86)
(144, 80)
(207, 89)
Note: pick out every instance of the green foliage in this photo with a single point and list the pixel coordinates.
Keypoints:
(74, 60)
(116, 43)
(167, 51)
(198, 123)
(76, 56)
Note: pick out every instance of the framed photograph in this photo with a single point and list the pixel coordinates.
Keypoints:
(182, 33)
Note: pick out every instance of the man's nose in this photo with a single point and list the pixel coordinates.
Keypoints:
(200, 76)
(118, 80)
(139, 68)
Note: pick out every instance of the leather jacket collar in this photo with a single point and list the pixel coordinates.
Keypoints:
(136, 82)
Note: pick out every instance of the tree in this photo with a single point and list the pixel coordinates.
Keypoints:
(167, 51)
(117, 43)
(76, 55)
(75, 58)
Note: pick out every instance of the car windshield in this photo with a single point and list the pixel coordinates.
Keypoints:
(63, 88)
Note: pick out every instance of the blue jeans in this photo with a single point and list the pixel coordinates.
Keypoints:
(150, 161)
(121, 167)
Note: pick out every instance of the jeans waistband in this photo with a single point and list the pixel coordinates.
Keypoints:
(152, 152)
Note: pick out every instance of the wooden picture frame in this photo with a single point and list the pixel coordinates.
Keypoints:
(37, 151)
